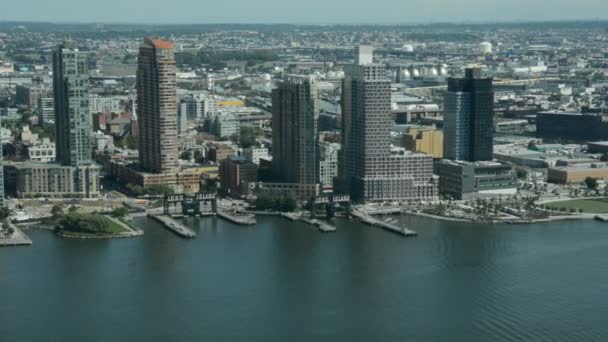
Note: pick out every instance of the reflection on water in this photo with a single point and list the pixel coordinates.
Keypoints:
(281, 280)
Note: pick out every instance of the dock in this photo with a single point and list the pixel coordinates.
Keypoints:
(237, 218)
(323, 227)
(390, 225)
(174, 226)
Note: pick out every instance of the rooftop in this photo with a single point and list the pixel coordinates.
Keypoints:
(158, 43)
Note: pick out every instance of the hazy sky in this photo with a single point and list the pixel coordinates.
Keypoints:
(300, 11)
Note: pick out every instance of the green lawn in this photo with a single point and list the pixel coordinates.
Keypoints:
(113, 227)
(595, 206)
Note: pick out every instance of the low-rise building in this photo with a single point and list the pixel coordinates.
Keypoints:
(577, 173)
(463, 180)
(254, 154)
(44, 152)
(235, 171)
(54, 180)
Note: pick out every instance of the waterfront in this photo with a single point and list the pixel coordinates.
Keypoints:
(282, 280)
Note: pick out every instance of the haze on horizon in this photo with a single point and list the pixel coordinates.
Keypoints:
(303, 11)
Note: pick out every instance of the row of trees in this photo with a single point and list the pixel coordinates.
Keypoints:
(284, 204)
(151, 190)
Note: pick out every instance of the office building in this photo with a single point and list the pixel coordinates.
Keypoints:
(465, 180)
(370, 168)
(469, 118)
(295, 110)
(157, 106)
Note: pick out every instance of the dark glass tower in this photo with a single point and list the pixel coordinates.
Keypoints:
(295, 112)
(469, 118)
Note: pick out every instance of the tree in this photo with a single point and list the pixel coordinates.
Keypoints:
(186, 155)
(120, 212)
(136, 190)
(264, 202)
(4, 213)
(158, 189)
(57, 210)
(521, 173)
(591, 182)
(248, 136)
(72, 209)
(132, 142)
(288, 204)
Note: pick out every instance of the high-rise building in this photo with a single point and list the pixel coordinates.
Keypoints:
(328, 164)
(71, 97)
(73, 125)
(295, 111)
(157, 106)
(364, 54)
(1, 175)
(370, 168)
(469, 118)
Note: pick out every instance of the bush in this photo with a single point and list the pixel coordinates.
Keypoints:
(4, 212)
(120, 212)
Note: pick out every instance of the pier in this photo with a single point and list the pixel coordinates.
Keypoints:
(237, 218)
(389, 225)
(323, 227)
(174, 226)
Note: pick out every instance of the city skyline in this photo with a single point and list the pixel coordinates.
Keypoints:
(311, 12)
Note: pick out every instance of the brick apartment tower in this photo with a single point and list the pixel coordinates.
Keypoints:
(157, 106)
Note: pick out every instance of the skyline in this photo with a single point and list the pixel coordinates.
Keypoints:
(314, 12)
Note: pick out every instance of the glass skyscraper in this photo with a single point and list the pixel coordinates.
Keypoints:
(469, 118)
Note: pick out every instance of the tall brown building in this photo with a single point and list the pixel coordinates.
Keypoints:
(157, 106)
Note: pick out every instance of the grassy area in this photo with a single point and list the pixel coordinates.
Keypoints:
(89, 224)
(595, 206)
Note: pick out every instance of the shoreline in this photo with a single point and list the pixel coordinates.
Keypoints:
(508, 221)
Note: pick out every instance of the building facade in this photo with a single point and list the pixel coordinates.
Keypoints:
(579, 127)
(157, 106)
(370, 168)
(328, 164)
(464, 180)
(469, 118)
(234, 171)
(53, 180)
(424, 141)
(71, 100)
(295, 111)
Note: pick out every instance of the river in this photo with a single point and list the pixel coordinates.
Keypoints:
(283, 281)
